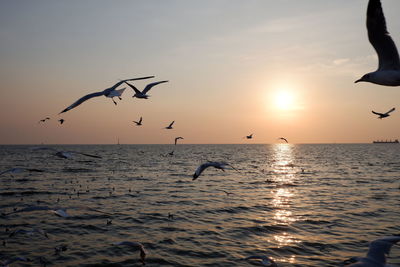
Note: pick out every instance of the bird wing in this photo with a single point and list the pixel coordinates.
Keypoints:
(150, 85)
(200, 169)
(393, 109)
(377, 113)
(140, 121)
(124, 81)
(6, 171)
(378, 249)
(84, 154)
(81, 100)
(379, 37)
(134, 88)
(171, 124)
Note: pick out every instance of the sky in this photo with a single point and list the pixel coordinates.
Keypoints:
(272, 68)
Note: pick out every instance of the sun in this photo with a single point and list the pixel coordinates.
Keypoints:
(284, 100)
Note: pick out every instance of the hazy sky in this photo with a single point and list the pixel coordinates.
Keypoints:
(272, 68)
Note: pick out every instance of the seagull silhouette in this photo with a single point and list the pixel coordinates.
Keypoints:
(249, 136)
(284, 139)
(61, 121)
(177, 138)
(143, 94)
(383, 115)
(388, 72)
(376, 255)
(218, 165)
(43, 120)
(66, 154)
(138, 123)
(109, 92)
(169, 127)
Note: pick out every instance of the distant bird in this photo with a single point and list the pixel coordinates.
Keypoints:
(29, 232)
(177, 138)
(171, 153)
(218, 165)
(284, 139)
(7, 263)
(138, 123)
(376, 255)
(109, 92)
(143, 94)
(43, 120)
(265, 261)
(170, 126)
(136, 245)
(383, 115)
(19, 170)
(66, 154)
(61, 121)
(249, 136)
(226, 192)
(388, 72)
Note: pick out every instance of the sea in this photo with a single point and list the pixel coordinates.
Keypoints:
(299, 205)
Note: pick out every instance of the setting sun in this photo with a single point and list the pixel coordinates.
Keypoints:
(284, 100)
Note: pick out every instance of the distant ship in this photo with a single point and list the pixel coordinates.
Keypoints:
(396, 141)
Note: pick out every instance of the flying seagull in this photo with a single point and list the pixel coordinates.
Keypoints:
(376, 255)
(383, 115)
(177, 138)
(388, 72)
(19, 170)
(249, 136)
(61, 121)
(265, 261)
(109, 92)
(143, 94)
(218, 165)
(170, 126)
(66, 154)
(136, 245)
(43, 120)
(138, 123)
(284, 139)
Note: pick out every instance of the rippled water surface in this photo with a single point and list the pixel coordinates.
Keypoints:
(301, 205)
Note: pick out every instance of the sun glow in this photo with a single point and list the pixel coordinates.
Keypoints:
(284, 100)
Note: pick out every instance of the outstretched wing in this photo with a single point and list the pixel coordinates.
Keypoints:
(87, 155)
(81, 100)
(133, 79)
(150, 85)
(377, 113)
(171, 124)
(134, 88)
(379, 37)
(378, 249)
(393, 109)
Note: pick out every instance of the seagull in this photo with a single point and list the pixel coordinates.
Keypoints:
(135, 245)
(177, 138)
(226, 192)
(138, 123)
(376, 255)
(7, 263)
(43, 120)
(265, 261)
(29, 232)
(66, 154)
(202, 167)
(143, 94)
(61, 121)
(383, 115)
(169, 127)
(249, 136)
(19, 170)
(109, 92)
(388, 72)
(284, 139)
